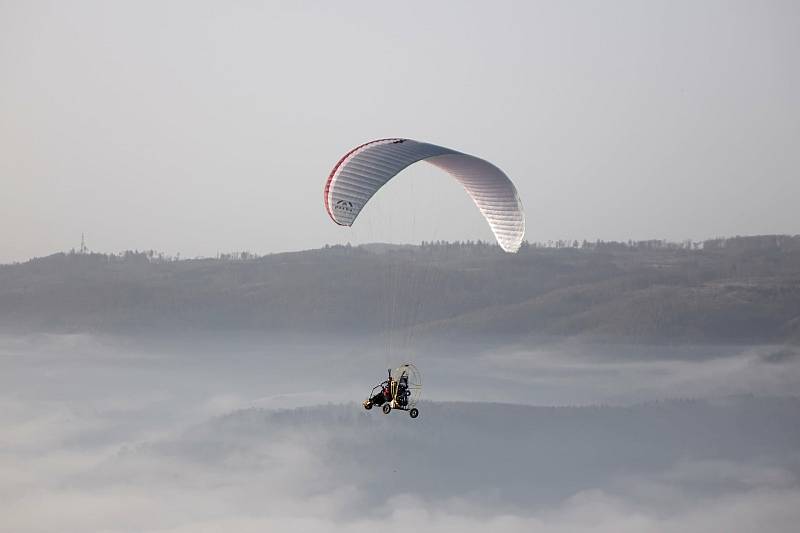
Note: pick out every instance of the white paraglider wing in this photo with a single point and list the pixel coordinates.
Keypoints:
(365, 169)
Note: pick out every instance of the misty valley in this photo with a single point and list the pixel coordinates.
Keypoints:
(574, 392)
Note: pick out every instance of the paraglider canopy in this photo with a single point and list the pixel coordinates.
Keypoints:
(359, 174)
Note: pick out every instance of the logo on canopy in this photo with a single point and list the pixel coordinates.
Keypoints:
(344, 206)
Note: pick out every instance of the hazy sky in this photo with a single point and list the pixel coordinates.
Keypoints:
(200, 126)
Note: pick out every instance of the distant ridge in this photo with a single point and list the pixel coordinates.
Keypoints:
(500, 448)
(738, 290)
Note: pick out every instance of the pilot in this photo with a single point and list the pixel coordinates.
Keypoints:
(383, 395)
(402, 390)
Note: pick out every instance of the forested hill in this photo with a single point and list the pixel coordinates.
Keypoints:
(742, 290)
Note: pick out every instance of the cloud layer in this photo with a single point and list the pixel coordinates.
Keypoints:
(98, 436)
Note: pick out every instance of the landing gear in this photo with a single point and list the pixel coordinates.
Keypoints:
(413, 413)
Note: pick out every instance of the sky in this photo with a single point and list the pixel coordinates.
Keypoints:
(196, 127)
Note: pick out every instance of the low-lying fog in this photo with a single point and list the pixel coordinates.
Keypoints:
(110, 434)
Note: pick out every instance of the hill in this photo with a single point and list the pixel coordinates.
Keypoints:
(514, 454)
(739, 290)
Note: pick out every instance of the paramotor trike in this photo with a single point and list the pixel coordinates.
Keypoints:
(401, 391)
